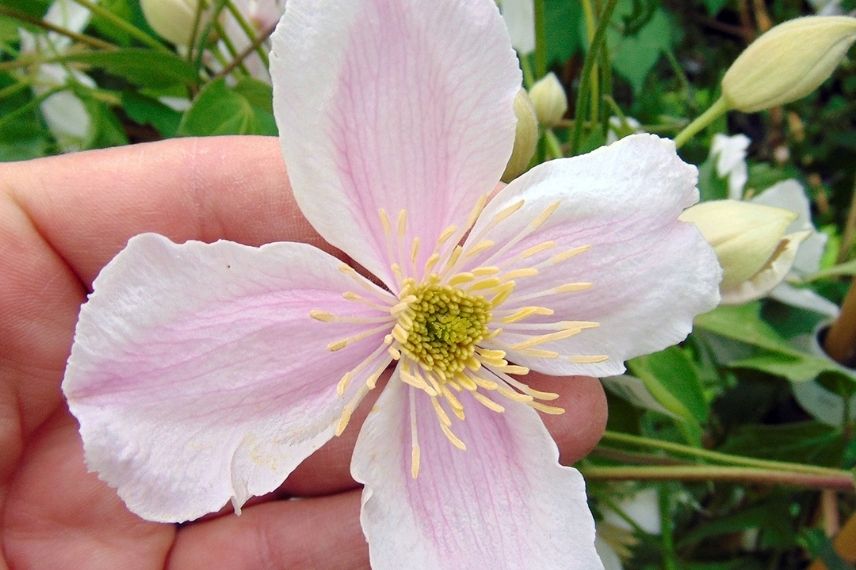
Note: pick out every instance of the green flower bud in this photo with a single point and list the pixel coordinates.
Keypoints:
(549, 100)
(525, 137)
(171, 19)
(750, 243)
(788, 62)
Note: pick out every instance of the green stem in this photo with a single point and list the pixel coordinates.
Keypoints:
(528, 75)
(585, 76)
(13, 89)
(554, 147)
(591, 28)
(123, 25)
(843, 481)
(540, 39)
(666, 529)
(80, 38)
(244, 54)
(194, 31)
(249, 31)
(29, 106)
(719, 457)
(702, 121)
(230, 47)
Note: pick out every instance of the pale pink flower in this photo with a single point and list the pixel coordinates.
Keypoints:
(202, 373)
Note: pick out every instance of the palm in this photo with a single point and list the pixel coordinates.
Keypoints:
(61, 220)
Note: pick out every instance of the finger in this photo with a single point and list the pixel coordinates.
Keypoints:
(87, 205)
(322, 532)
(576, 432)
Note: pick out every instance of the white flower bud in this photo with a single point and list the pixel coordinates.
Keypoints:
(549, 100)
(750, 243)
(171, 19)
(525, 137)
(788, 62)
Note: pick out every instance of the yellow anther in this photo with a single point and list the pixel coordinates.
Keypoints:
(480, 247)
(573, 287)
(544, 216)
(384, 222)
(552, 410)
(565, 255)
(402, 222)
(523, 272)
(536, 249)
(414, 461)
(446, 234)
(488, 283)
(506, 212)
(503, 294)
(452, 437)
(338, 345)
(460, 278)
(551, 337)
(589, 358)
(474, 213)
(441, 413)
(322, 316)
(414, 249)
(483, 271)
(526, 312)
(431, 262)
(488, 403)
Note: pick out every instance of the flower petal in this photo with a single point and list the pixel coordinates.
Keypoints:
(394, 105)
(804, 298)
(505, 502)
(198, 376)
(638, 272)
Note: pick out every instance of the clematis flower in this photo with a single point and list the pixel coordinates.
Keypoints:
(65, 114)
(204, 373)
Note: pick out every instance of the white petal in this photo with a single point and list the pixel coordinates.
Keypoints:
(804, 298)
(730, 153)
(394, 105)
(649, 273)
(198, 376)
(790, 195)
(505, 502)
(519, 16)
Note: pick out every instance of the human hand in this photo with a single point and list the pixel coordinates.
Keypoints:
(61, 220)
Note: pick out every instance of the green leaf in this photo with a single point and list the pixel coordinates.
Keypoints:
(634, 56)
(673, 380)
(799, 442)
(217, 110)
(144, 67)
(563, 29)
(744, 323)
(149, 111)
(260, 96)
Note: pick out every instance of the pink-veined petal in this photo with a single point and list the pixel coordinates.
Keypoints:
(505, 502)
(198, 376)
(394, 105)
(638, 272)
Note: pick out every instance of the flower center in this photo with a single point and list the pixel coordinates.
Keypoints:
(441, 326)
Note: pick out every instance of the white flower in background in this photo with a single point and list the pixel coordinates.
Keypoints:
(827, 7)
(65, 114)
(519, 16)
(620, 127)
(642, 507)
(730, 154)
(608, 556)
(790, 195)
(172, 19)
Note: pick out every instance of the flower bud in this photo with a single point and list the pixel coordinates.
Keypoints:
(549, 100)
(171, 19)
(750, 243)
(788, 62)
(525, 137)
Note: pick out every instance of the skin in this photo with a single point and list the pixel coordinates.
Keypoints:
(61, 220)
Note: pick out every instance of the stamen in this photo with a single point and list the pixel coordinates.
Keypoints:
(349, 408)
(351, 296)
(523, 272)
(340, 344)
(480, 247)
(526, 312)
(589, 358)
(353, 372)
(554, 336)
(483, 271)
(552, 410)
(488, 403)
(441, 413)
(536, 249)
(456, 441)
(414, 437)
(326, 317)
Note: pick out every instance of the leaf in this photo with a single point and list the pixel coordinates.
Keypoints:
(744, 323)
(217, 110)
(634, 56)
(673, 380)
(563, 23)
(149, 111)
(144, 67)
(633, 390)
(798, 442)
(260, 96)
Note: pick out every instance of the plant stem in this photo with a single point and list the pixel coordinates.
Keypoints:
(554, 147)
(702, 121)
(585, 76)
(81, 38)
(230, 47)
(591, 28)
(245, 53)
(719, 457)
(666, 528)
(540, 39)
(10, 90)
(528, 75)
(29, 106)
(840, 342)
(123, 25)
(842, 481)
(848, 237)
(249, 31)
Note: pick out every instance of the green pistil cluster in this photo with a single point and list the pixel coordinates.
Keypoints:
(443, 325)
